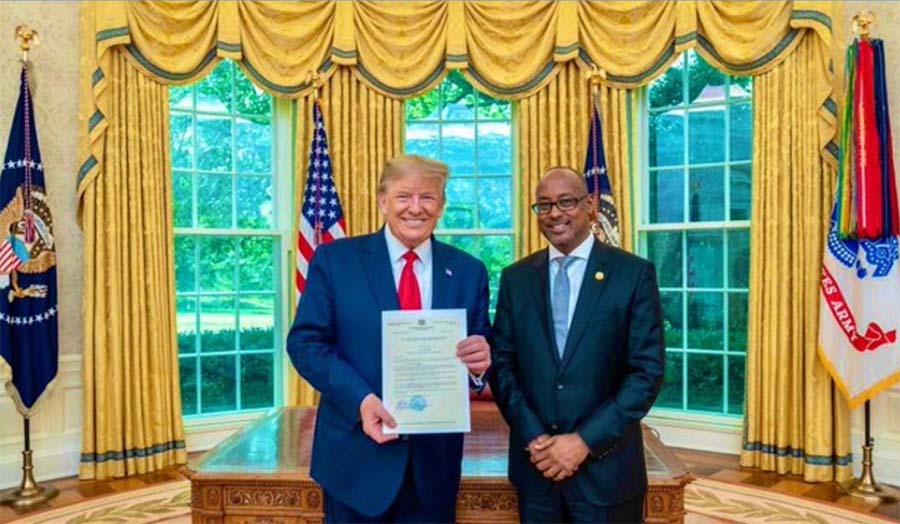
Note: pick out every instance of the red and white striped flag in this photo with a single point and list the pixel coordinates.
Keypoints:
(321, 217)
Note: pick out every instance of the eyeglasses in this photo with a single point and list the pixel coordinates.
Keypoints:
(564, 204)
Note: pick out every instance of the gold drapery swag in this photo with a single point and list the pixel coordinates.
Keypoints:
(402, 49)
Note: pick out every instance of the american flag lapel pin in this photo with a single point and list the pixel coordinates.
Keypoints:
(448, 271)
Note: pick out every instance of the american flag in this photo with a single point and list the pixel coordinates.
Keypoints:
(607, 227)
(321, 217)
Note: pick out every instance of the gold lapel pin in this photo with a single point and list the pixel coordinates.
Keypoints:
(598, 276)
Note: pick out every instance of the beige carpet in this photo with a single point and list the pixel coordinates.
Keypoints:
(707, 502)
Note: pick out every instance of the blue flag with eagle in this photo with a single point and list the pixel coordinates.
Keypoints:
(28, 329)
(607, 227)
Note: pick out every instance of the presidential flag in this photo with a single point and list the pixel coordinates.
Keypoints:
(860, 281)
(321, 217)
(28, 331)
(607, 226)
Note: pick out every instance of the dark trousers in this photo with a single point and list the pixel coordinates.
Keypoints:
(406, 508)
(566, 503)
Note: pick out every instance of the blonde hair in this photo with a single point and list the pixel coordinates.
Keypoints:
(402, 164)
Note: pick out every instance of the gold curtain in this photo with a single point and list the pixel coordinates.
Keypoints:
(402, 49)
(132, 402)
(364, 129)
(552, 129)
(795, 420)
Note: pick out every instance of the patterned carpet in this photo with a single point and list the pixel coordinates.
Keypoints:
(707, 501)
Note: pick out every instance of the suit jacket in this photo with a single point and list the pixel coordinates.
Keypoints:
(606, 381)
(335, 344)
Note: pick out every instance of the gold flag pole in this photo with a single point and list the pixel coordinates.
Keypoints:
(29, 493)
(865, 487)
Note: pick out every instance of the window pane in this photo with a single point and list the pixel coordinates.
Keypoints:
(214, 144)
(493, 109)
(666, 198)
(458, 98)
(254, 156)
(705, 319)
(183, 194)
(217, 324)
(495, 148)
(214, 201)
(707, 187)
(668, 90)
(181, 141)
(705, 382)
(214, 91)
(706, 129)
(737, 322)
(257, 264)
(250, 99)
(458, 148)
(672, 391)
(496, 252)
(257, 381)
(459, 211)
(740, 192)
(741, 133)
(185, 264)
(423, 107)
(667, 138)
(181, 97)
(422, 139)
(739, 258)
(704, 259)
(219, 392)
(257, 317)
(187, 370)
(736, 384)
(673, 318)
(495, 203)
(664, 249)
(217, 260)
(254, 202)
(186, 324)
(706, 83)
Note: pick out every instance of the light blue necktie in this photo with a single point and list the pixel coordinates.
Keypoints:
(560, 302)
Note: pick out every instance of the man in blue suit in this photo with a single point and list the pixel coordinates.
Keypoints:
(335, 344)
(578, 359)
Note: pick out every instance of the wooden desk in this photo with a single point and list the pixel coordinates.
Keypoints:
(260, 475)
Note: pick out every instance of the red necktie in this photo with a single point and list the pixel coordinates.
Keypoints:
(408, 292)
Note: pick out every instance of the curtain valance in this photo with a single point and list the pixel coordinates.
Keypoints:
(402, 49)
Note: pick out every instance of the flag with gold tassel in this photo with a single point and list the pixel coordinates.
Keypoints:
(860, 281)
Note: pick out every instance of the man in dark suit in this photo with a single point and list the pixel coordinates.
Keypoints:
(335, 344)
(578, 359)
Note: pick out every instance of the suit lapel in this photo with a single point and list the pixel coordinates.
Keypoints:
(596, 275)
(379, 272)
(442, 276)
(540, 289)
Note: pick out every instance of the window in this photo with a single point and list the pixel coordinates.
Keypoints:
(472, 133)
(695, 226)
(227, 241)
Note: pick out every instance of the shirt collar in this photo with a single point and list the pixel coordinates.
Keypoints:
(582, 251)
(396, 249)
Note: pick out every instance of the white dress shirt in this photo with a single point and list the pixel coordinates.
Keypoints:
(421, 268)
(575, 270)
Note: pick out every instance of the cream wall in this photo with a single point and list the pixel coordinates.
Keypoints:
(56, 430)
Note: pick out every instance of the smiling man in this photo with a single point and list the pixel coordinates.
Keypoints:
(335, 344)
(578, 359)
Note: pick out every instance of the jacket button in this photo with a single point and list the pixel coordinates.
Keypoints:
(554, 427)
(404, 437)
(559, 386)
